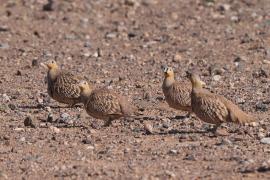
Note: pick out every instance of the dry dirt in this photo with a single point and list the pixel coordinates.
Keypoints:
(125, 42)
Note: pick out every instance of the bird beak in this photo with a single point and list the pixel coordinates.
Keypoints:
(202, 83)
(44, 65)
(164, 67)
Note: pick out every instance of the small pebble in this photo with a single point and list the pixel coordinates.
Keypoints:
(43, 125)
(173, 152)
(110, 35)
(261, 135)
(87, 140)
(48, 109)
(6, 97)
(55, 129)
(177, 58)
(28, 122)
(65, 118)
(235, 19)
(12, 106)
(216, 77)
(254, 124)
(148, 128)
(265, 140)
(40, 100)
(266, 61)
(34, 62)
(170, 174)
(19, 129)
(3, 175)
(221, 132)
(18, 73)
(4, 46)
(225, 141)
(190, 157)
(87, 44)
(261, 107)
(50, 117)
(90, 147)
(64, 115)
(87, 54)
(147, 96)
(126, 150)
(48, 6)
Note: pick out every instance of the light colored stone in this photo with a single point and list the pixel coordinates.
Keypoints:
(265, 140)
(216, 77)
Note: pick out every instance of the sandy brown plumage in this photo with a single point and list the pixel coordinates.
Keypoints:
(214, 109)
(62, 85)
(177, 94)
(104, 103)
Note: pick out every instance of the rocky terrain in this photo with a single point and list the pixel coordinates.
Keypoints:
(124, 43)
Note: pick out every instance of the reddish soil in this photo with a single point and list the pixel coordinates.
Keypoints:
(125, 42)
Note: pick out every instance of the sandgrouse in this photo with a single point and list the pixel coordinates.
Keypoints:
(177, 94)
(212, 108)
(62, 86)
(104, 103)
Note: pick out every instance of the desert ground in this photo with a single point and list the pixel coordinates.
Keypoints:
(124, 43)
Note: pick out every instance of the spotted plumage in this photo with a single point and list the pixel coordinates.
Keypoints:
(212, 108)
(62, 86)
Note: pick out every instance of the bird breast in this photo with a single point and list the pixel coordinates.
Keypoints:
(209, 109)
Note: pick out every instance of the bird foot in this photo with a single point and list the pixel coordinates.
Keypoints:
(107, 123)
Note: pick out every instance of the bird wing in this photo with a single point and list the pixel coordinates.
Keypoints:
(104, 102)
(210, 107)
(181, 93)
(67, 84)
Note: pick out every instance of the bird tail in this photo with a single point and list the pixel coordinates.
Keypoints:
(243, 117)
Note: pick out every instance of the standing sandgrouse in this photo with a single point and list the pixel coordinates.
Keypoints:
(177, 94)
(104, 103)
(212, 108)
(62, 86)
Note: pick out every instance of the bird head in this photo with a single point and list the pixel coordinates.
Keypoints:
(51, 64)
(195, 79)
(83, 85)
(168, 71)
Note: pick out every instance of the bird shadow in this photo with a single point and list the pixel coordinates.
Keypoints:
(43, 106)
(179, 117)
(63, 125)
(68, 126)
(175, 131)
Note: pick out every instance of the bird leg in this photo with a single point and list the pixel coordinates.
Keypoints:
(70, 105)
(214, 129)
(190, 115)
(59, 110)
(108, 122)
(74, 105)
